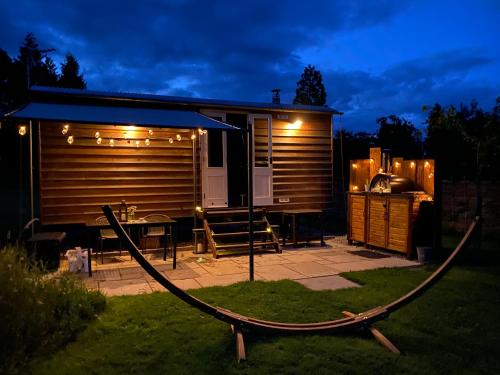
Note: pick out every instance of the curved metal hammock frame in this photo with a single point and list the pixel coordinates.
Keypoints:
(356, 322)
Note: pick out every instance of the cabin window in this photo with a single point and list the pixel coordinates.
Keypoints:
(261, 142)
(215, 148)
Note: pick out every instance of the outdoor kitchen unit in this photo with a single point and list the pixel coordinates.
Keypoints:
(384, 214)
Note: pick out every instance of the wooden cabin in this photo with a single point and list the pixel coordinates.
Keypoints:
(388, 218)
(92, 148)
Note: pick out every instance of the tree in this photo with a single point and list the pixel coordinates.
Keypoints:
(310, 89)
(400, 136)
(5, 73)
(70, 74)
(50, 77)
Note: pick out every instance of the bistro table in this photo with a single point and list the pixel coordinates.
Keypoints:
(169, 225)
(290, 220)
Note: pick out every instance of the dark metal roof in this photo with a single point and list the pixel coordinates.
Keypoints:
(118, 116)
(180, 100)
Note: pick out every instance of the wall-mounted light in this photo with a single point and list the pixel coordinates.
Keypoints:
(412, 164)
(396, 164)
(355, 188)
(147, 142)
(170, 140)
(198, 209)
(98, 140)
(70, 139)
(150, 132)
(193, 136)
(97, 135)
(295, 125)
(178, 137)
(430, 175)
(112, 142)
(137, 143)
(380, 170)
(65, 129)
(354, 166)
(269, 229)
(372, 161)
(426, 164)
(22, 130)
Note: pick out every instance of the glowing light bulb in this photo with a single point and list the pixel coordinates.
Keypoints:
(204, 131)
(65, 129)
(372, 161)
(199, 209)
(178, 137)
(97, 135)
(147, 142)
(380, 170)
(269, 229)
(22, 130)
(170, 140)
(430, 175)
(412, 164)
(98, 140)
(354, 166)
(137, 143)
(426, 164)
(112, 142)
(200, 131)
(193, 136)
(70, 139)
(355, 188)
(150, 131)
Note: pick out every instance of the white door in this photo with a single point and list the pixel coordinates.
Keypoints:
(214, 165)
(262, 160)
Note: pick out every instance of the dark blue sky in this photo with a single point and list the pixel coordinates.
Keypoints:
(377, 57)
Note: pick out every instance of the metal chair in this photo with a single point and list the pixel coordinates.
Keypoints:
(157, 232)
(105, 234)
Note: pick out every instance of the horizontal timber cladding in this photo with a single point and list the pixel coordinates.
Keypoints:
(76, 179)
(302, 162)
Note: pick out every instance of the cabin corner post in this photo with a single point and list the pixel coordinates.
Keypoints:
(250, 199)
(32, 204)
(195, 188)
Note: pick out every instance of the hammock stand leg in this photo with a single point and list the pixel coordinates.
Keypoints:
(240, 344)
(377, 335)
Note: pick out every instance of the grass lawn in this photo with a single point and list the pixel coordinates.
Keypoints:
(453, 328)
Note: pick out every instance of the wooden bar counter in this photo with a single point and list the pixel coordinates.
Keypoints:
(384, 220)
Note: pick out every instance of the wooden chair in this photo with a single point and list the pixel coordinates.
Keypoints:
(157, 232)
(105, 234)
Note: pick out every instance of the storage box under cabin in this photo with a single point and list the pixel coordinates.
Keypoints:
(392, 209)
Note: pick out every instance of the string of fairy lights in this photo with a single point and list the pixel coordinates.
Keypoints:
(113, 141)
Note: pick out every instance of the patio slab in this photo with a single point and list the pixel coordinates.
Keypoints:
(310, 269)
(277, 272)
(328, 283)
(317, 268)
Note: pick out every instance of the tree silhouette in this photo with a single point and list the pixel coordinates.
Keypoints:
(70, 74)
(310, 89)
(400, 136)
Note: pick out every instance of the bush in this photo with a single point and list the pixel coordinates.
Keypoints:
(39, 312)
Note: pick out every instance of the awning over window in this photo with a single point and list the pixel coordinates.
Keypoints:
(163, 118)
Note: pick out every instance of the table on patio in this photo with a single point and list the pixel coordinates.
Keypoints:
(170, 227)
(290, 220)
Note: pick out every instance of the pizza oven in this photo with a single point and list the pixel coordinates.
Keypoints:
(387, 183)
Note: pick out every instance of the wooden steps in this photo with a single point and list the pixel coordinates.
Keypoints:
(227, 231)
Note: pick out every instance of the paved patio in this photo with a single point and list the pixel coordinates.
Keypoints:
(317, 268)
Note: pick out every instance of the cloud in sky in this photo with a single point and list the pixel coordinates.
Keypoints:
(224, 49)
